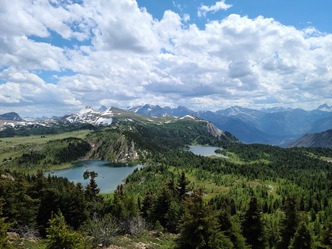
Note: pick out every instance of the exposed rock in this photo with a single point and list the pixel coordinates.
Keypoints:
(213, 130)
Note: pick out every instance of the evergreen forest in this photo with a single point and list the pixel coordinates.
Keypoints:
(251, 196)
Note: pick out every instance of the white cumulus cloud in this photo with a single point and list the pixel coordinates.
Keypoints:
(221, 5)
(115, 53)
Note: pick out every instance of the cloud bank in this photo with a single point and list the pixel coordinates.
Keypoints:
(57, 57)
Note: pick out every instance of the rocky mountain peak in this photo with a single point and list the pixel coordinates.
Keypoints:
(325, 107)
(12, 116)
(102, 108)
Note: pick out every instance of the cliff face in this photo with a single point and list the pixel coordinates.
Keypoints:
(113, 147)
(323, 139)
(213, 130)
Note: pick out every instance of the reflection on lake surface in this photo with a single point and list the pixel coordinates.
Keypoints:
(204, 150)
(109, 176)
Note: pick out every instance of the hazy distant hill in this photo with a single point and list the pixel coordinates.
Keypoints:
(323, 139)
(276, 126)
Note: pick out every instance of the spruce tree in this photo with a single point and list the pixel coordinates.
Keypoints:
(146, 208)
(232, 229)
(327, 235)
(161, 206)
(302, 238)
(289, 224)
(199, 226)
(182, 187)
(253, 229)
(60, 236)
(92, 190)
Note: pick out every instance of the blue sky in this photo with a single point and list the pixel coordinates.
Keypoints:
(298, 13)
(59, 56)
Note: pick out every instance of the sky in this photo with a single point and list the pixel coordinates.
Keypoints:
(58, 56)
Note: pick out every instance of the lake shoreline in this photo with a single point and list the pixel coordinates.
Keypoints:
(109, 175)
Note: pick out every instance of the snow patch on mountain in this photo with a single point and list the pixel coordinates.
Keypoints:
(90, 116)
(188, 116)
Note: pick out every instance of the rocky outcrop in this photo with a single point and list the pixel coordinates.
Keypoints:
(114, 148)
(213, 130)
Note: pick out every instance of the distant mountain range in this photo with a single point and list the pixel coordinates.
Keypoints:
(88, 118)
(322, 139)
(275, 126)
(13, 116)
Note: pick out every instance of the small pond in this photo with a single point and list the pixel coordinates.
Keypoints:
(202, 150)
(109, 175)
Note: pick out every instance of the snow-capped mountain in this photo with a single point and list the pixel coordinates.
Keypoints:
(157, 111)
(88, 115)
(276, 126)
(88, 118)
(150, 110)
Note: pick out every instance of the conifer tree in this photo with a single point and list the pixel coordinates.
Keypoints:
(161, 206)
(327, 235)
(231, 229)
(302, 238)
(146, 208)
(92, 189)
(60, 236)
(253, 229)
(199, 226)
(173, 215)
(118, 206)
(289, 224)
(182, 187)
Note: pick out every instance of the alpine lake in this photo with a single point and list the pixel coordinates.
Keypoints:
(202, 150)
(110, 175)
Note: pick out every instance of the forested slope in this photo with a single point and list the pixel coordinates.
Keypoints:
(257, 196)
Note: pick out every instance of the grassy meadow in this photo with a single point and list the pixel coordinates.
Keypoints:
(13, 147)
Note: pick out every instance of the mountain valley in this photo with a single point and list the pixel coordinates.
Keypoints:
(176, 195)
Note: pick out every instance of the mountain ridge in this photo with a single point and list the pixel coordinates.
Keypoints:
(275, 126)
(88, 118)
(322, 139)
(10, 116)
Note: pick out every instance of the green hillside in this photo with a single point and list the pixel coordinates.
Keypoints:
(131, 138)
(257, 196)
